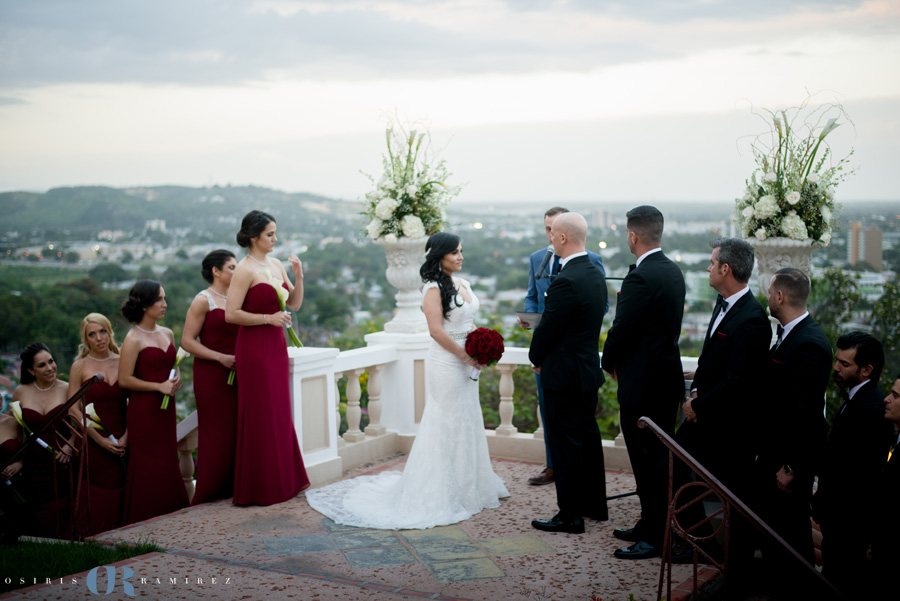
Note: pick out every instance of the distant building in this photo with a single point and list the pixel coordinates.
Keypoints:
(155, 225)
(865, 245)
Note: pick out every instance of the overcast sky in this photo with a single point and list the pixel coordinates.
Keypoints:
(578, 100)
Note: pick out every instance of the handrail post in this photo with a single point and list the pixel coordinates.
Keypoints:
(374, 389)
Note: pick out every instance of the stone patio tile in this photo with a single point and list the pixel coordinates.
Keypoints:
(366, 538)
(516, 545)
(380, 558)
(441, 533)
(299, 544)
(465, 569)
(447, 550)
(332, 526)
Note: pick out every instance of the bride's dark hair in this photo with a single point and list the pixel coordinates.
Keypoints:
(438, 245)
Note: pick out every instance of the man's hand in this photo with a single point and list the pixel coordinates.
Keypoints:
(523, 324)
(536, 369)
(689, 414)
(784, 480)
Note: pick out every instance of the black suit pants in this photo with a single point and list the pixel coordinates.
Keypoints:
(576, 449)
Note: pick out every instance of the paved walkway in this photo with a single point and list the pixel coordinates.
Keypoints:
(290, 552)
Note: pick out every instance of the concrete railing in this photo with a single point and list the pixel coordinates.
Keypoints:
(395, 364)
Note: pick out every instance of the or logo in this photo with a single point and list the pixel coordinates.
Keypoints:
(111, 580)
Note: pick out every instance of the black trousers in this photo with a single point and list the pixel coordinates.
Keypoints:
(576, 450)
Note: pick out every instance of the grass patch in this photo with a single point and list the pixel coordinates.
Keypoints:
(41, 560)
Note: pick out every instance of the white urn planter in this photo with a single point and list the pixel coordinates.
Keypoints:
(405, 257)
(773, 254)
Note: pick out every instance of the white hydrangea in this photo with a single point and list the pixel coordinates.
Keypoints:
(766, 207)
(747, 213)
(412, 227)
(826, 214)
(374, 228)
(747, 197)
(793, 197)
(385, 208)
(411, 190)
(760, 233)
(793, 227)
(390, 238)
(770, 177)
(826, 237)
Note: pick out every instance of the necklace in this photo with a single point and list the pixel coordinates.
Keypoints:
(107, 358)
(44, 389)
(258, 262)
(153, 331)
(225, 296)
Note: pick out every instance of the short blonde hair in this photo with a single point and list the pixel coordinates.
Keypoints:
(98, 318)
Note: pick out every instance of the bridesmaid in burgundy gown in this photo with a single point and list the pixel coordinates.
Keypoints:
(102, 492)
(10, 494)
(217, 401)
(48, 477)
(268, 468)
(154, 485)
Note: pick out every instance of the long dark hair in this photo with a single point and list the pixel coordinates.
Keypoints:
(27, 356)
(438, 245)
(142, 295)
(217, 259)
(252, 226)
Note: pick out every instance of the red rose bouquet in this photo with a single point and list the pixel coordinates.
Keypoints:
(485, 346)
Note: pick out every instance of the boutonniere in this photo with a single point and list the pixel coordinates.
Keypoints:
(722, 334)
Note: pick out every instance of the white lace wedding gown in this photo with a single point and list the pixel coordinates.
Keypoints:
(448, 476)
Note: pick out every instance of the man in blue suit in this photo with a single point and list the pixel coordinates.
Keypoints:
(543, 265)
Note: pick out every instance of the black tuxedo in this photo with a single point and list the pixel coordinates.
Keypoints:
(857, 446)
(793, 433)
(565, 347)
(729, 388)
(643, 340)
(886, 533)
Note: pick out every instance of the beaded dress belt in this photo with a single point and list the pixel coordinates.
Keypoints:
(458, 335)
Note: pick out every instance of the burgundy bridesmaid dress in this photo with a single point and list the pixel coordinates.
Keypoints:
(269, 468)
(103, 481)
(217, 409)
(154, 485)
(48, 483)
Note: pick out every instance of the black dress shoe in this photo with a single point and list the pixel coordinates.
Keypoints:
(555, 524)
(639, 550)
(626, 534)
(600, 517)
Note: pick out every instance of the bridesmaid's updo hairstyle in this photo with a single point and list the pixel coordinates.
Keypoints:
(142, 295)
(252, 226)
(438, 245)
(217, 259)
(27, 356)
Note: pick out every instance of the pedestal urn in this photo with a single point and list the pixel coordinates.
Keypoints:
(773, 254)
(404, 258)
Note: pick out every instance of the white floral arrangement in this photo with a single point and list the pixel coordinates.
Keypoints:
(409, 199)
(791, 191)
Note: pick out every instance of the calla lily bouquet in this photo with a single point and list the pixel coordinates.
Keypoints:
(179, 356)
(94, 422)
(293, 339)
(16, 408)
(409, 199)
(791, 191)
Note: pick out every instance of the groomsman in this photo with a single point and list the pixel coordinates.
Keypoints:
(644, 340)
(885, 550)
(543, 265)
(859, 441)
(793, 434)
(564, 350)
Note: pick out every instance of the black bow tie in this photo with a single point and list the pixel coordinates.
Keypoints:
(721, 304)
(779, 331)
(632, 267)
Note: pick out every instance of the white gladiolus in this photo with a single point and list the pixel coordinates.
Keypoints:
(793, 197)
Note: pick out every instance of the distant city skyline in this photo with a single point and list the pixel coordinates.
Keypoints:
(570, 100)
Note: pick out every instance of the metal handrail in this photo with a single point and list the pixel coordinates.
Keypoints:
(729, 500)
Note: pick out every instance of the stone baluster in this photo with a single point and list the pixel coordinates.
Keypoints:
(374, 388)
(539, 433)
(506, 401)
(186, 461)
(337, 400)
(354, 414)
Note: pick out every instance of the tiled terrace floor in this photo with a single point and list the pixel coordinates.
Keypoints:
(289, 551)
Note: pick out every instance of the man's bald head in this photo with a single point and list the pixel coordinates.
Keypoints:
(569, 233)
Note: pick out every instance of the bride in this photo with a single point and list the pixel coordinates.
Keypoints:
(448, 476)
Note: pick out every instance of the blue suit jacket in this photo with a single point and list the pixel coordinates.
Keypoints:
(537, 288)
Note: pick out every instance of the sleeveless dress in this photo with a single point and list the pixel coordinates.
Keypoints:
(47, 482)
(103, 482)
(268, 467)
(448, 476)
(12, 507)
(154, 485)
(217, 404)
